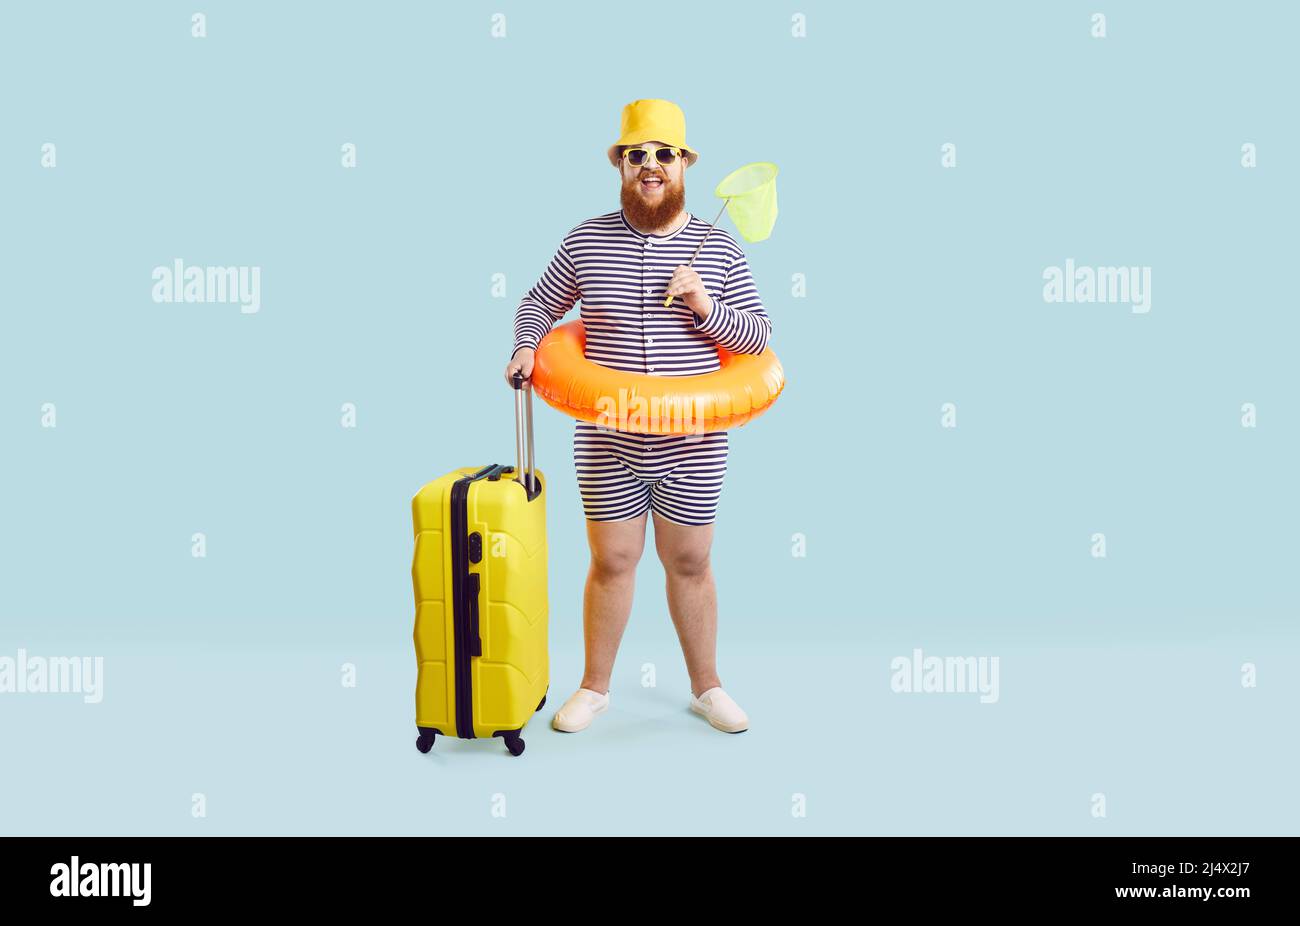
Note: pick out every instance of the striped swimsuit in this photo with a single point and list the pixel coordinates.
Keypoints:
(620, 275)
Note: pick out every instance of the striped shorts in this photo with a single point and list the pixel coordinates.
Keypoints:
(622, 476)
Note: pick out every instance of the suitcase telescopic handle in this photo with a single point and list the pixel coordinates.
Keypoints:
(524, 433)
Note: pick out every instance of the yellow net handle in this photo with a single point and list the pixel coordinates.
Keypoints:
(668, 300)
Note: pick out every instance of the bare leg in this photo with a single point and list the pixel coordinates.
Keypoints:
(607, 601)
(692, 597)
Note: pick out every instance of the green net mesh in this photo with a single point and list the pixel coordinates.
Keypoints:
(750, 193)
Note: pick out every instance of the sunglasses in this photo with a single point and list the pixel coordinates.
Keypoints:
(639, 155)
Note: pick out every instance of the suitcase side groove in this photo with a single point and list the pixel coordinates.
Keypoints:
(464, 609)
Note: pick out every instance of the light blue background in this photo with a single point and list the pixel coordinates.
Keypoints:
(476, 155)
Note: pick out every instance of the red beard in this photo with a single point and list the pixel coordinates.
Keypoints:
(652, 213)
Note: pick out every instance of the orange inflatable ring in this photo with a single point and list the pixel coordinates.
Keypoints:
(743, 388)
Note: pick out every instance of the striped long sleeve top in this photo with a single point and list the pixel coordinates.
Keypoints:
(620, 275)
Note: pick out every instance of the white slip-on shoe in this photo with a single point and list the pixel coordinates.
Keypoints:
(577, 712)
(721, 711)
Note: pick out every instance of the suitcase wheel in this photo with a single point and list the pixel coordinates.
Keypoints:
(424, 742)
(515, 744)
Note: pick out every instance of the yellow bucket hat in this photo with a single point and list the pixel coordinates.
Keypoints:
(652, 120)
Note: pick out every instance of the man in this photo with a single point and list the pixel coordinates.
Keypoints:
(623, 265)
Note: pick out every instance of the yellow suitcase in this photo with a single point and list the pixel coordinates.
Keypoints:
(479, 573)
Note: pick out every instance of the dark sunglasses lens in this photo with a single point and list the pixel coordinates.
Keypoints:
(664, 156)
(636, 157)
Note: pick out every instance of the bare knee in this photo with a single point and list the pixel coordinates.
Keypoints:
(613, 558)
(614, 562)
(685, 562)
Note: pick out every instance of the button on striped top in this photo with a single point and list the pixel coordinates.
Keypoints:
(620, 275)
